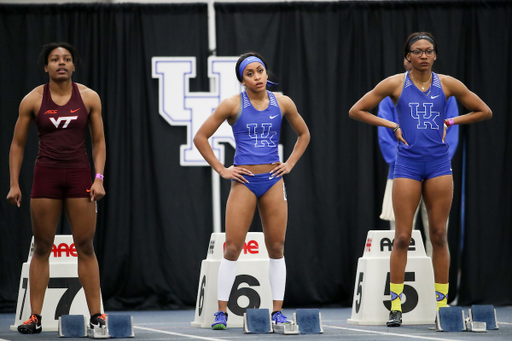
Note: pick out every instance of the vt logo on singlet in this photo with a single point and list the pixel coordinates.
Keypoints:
(65, 119)
(180, 107)
(425, 116)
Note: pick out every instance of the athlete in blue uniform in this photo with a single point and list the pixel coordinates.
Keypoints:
(388, 144)
(256, 175)
(422, 162)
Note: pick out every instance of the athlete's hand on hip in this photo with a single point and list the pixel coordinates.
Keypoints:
(399, 137)
(236, 173)
(14, 196)
(281, 169)
(97, 191)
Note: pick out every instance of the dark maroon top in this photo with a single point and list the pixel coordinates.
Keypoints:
(62, 131)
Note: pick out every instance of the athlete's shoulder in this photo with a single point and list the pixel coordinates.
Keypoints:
(86, 91)
(34, 97)
(283, 100)
(229, 106)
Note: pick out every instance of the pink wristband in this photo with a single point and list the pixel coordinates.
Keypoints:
(99, 176)
(449, 122)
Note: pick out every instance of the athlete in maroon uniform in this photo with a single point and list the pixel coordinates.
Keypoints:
(62, 176)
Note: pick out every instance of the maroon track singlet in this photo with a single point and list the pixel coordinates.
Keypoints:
(62, 131)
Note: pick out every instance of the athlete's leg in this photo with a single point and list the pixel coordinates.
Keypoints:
(240, 209)
(273, 209)
(406, 196)
(45, 214)
(438, 194)
(81, 213)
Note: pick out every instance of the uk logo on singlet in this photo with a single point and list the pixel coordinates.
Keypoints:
(425, 115)
(180, 107)
(262, 135)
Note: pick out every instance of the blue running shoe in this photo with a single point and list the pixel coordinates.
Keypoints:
(279, 318)
(221, 320)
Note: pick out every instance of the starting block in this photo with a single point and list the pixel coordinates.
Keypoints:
(485, 314)
(286, 329)
(120, 326)
(309, 321)
(450, 319)
(72, 326)
(257, 321)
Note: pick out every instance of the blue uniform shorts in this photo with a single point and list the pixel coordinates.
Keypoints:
(422, 170)
(259, 184)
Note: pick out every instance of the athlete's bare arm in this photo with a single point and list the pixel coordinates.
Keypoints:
(27, 111)
(226, 110)
(92, 102)
(479, 110)
(297, 123)
(392, 87)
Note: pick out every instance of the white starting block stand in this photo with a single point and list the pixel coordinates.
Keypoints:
(64, 294)
(250, 290)
(372, 303)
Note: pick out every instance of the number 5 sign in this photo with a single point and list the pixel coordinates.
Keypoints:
(371, 303)
(64, 294)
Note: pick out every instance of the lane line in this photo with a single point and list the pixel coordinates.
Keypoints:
(391, 334)
(178, 334)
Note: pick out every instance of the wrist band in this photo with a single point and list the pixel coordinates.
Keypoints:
(99, 176)
(449, 122)
(396, 128)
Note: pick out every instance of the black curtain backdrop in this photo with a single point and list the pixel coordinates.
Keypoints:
(150, 237)
(155, 222)
(325, 57)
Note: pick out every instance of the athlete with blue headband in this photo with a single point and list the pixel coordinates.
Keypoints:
(422, 164)
(256, 175)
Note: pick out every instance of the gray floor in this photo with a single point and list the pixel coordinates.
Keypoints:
(175, 325)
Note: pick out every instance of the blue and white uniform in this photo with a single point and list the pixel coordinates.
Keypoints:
(257, 140)
(421, 117)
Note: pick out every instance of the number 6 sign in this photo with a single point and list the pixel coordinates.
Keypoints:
(251, 288)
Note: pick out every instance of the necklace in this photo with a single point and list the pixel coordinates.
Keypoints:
(422, 83)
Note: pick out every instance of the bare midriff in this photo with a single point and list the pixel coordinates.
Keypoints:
(258, 169)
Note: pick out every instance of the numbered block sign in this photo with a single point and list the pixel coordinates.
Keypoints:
(372, 303)
(250, 290)
(64, 294)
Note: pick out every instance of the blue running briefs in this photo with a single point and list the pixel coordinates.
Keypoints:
(259, 184)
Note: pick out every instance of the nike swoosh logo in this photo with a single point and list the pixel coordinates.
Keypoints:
(434, 96)
(272, 117)
(38, 327)
(96, 325)
(72, 111)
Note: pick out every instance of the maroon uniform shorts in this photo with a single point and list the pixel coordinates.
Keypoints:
(60, 183)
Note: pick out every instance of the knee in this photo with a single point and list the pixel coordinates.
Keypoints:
(275, 249)
(43, 247)
(402, 241)
(84, 247)
(232, 251)
(438, 237)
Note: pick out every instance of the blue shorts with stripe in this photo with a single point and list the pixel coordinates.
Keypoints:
(422, 170)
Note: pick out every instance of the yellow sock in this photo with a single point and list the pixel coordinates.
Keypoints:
(441, 294)
(396, 295)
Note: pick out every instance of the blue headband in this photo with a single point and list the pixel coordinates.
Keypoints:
(248, 61)
(422, 37)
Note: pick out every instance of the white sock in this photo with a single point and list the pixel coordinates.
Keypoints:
(277, 277)
(226, 278)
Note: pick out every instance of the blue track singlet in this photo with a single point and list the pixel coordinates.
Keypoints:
(257, 132)
(421, 117)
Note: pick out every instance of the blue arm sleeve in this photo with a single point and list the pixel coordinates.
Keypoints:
(387, 138)
(452, 133)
